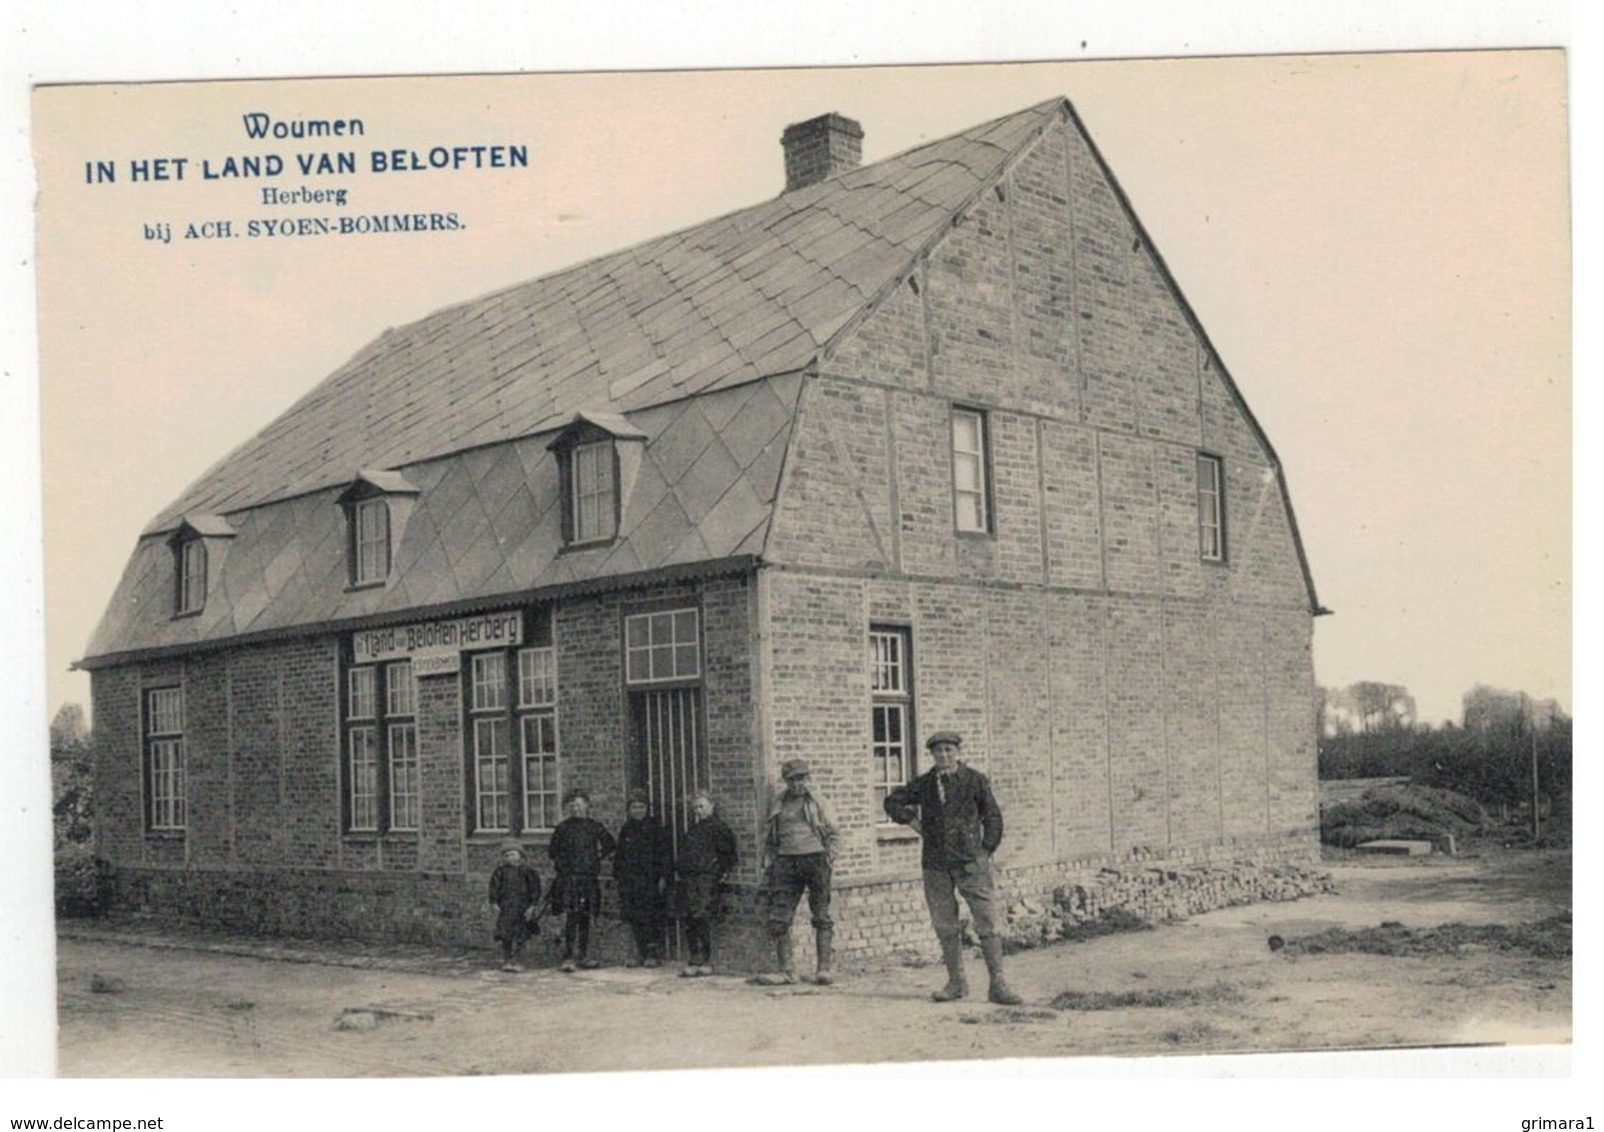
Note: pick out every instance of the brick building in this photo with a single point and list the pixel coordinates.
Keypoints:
(930, 443)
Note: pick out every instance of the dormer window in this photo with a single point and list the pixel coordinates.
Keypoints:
(194, 559)
(371, 534)
(377, 505)
(598, 455)
(594, 494)
(191, 575)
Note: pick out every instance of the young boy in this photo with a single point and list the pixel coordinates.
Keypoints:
(578, 846)
(514, 895)
(706, 855)
(643, 864)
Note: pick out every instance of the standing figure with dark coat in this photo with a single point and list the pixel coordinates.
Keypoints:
(707, 853)
(961, 825)
(578, 846)
(642, 868)
(514, 896)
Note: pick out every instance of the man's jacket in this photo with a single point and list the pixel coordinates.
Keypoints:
(814, 812)
(708, 849)
(959, 818)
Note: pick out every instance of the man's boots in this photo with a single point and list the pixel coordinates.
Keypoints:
(952, 954)
(786, 975)
(999, 992)
(824, 939)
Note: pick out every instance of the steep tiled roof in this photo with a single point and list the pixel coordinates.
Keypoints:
(749, 295)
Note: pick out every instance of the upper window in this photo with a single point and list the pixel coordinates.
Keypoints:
(376, 506)
(164, 759)
(191, 559)
(199, 545)
(970, 499)
(370, 537)
(1211, 508)
(593, 496)
(661, 646)
(598, 455)
(891, 709)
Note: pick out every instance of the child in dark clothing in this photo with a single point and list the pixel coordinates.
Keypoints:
(643, 864)
(514, 895)
(578, 846)
(706, 854)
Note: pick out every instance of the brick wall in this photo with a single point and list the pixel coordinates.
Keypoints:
(263, 848)
(1125, 697)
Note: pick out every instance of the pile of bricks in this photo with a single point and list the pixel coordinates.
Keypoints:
(1155, 893)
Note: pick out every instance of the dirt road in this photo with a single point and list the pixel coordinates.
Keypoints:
(1208, 985)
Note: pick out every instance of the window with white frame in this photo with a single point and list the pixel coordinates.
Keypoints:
(661, 647)
(164, 759)
(512, 697)
(401, 744)
(191, 561)
(593, 495)
(382, 784)
(970, 500)
(492, 750)
(891, 709)
(537, 730)
(1211, 507)
(370, 542)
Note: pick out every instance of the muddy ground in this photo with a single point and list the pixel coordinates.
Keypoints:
(1212, 984)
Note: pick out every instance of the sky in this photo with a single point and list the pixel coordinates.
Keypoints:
(1376, 244)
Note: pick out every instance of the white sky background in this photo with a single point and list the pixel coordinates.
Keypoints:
(1402, 337)
(1377, 245)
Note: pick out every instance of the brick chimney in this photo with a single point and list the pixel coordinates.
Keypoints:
(820, 147)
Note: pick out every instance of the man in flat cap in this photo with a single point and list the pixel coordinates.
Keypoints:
(962, 826)
(798, 852)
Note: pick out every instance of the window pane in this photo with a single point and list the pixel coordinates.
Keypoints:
(364, 779)
(490, 765)
(166, 711)
(966, 432)
(1210, 522)
(192, 576)
(360, 703)
(400, 690)
(372, 540)
(404, 783)
(662, 646)
(489, 682)
(971, 512)
(537, 677)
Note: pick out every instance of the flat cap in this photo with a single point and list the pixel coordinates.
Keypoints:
(512, 845)
(944, 737)
(576, 792)
(794, 768)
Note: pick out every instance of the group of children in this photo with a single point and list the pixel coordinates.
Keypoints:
(644, 870)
